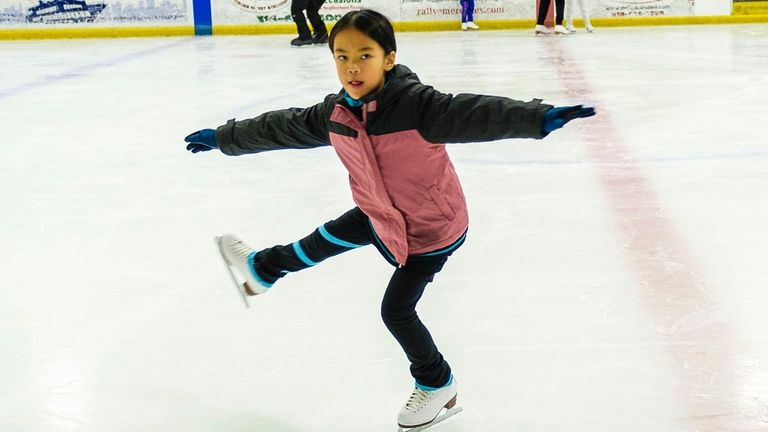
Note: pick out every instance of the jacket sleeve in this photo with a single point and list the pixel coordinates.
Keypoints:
(444, 118)
(292, 128)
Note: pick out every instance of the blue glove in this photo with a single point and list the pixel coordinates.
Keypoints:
(202, 140)
(557, 117)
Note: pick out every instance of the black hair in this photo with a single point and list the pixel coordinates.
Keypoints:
(375, 25)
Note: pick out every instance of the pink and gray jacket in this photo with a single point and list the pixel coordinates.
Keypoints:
(393, 147)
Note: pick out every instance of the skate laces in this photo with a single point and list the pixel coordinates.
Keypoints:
(240, 249)
(418, 400)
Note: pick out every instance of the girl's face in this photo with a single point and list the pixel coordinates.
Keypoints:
(360, 62)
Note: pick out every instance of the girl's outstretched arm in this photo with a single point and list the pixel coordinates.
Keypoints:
(292, 128)
(446, 118)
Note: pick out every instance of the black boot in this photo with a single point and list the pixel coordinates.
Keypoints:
(305, 37)
(320, 38)
(298, 42)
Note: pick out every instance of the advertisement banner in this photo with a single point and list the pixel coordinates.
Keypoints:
(644, 8)
(155, 13)
(226, 12)
(101, 13)
(429, 10)
(279, 11)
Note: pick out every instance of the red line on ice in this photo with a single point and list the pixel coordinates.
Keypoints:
(699, 346)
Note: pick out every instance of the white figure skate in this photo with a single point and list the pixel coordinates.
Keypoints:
(424, 407)
(540, 30)
(238, 258)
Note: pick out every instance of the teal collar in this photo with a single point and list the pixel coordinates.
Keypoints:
(352, 102)
(358, 103)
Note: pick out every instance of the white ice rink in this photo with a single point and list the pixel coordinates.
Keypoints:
(614, 277)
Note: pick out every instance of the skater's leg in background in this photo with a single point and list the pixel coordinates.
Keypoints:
(559, 11)
(543, 9)
(464, 10)
(585, 13)
(350, 231)
(297, 13)
(398, 310)
(569, 14)
(313, 14)
(470, 13)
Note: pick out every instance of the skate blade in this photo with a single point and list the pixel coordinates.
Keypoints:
(444, 416)
(241, 289)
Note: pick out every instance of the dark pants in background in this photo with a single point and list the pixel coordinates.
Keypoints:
(544, 8)
(467, 10)
(312, 7)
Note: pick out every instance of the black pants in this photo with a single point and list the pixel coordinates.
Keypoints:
(398, 308)
(544, 8)
(312, 7)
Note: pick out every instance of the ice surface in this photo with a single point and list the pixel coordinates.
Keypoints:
(613, 279)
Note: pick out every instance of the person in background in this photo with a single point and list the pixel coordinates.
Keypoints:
(297, 13)
(542, 16)
(584, 6)
(467, 15)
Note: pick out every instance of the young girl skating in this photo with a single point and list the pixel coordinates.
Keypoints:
(388, 130)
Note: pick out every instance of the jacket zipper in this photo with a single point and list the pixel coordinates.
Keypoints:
(365, 118)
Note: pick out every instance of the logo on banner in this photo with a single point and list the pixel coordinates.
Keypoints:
(260, 5)
(64, 11)
(101, 11)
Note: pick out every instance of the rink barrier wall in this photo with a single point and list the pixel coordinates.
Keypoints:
(751, 8)
(428, 26)
(201, 12)
(408, 26)
(95, 32)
